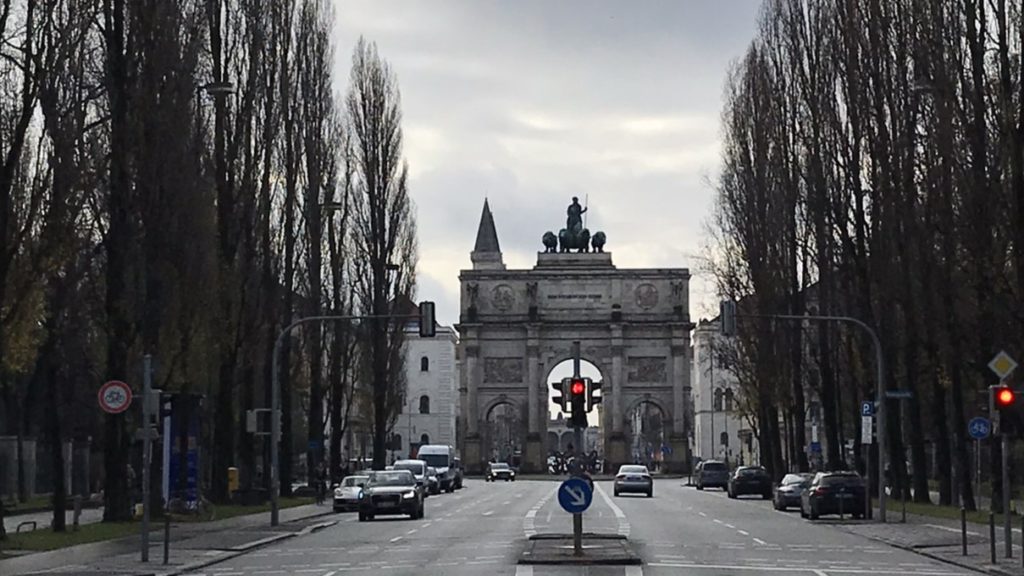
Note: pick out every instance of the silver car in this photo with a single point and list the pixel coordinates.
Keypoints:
(348, 493)
(634, 478)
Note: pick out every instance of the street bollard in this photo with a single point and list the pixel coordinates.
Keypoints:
(992, 535)
(963, 529)
(1022, 540)
(78, 511)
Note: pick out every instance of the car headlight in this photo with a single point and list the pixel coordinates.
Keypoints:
(360, 494)
(409, 494)
(338, 493)
(511, 473)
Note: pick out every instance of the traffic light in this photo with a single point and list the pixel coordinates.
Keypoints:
(1009, 408)
(592, 398)
(561, 396)
(578, 401)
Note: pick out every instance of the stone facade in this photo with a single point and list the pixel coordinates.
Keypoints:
(517, 325)
(431, 403)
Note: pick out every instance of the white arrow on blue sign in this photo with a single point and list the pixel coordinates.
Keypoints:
(979, 428)
(575, 495)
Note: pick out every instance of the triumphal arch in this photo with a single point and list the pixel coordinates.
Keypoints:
(516, 325)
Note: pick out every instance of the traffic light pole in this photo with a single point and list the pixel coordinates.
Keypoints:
(1007, 517)
(577, 431)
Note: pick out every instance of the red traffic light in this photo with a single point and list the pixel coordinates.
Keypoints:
(578, 388)
(1004, 397)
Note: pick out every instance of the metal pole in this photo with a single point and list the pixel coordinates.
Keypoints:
(147, 363)
(963, 529)
(167, 535)
(867, 482)
(1007, 518)
(977, 471)
(879, 390)
(577, 534)
(992, 535)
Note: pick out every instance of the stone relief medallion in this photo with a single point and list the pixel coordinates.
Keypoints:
(647, 369)
(503, 370)
(646, 296)
(503, 297)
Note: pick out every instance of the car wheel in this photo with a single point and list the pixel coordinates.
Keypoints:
(731, 494)
(766, 496)
(616, 493)
(803, 513)
(700, 486)
(813, 515)
(650, 493)
(362, 517)
(336, 510)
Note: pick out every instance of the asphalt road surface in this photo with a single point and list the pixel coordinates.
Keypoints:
(481, 529)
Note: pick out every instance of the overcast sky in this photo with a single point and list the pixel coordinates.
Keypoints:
(530, 102)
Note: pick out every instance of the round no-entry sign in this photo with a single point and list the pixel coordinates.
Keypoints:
(115, 397)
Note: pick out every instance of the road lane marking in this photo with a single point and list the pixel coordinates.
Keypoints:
(488, 513)
(427, 525)
(634, 571)
(702, 514)
(413, 531)
(331, 573)
(524, 570)
(744, 532)
(730, 526)
(716, 521)
(759, 541)
(396, 538)
(697, 567)
(624, 527)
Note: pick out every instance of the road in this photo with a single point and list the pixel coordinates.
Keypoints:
(481, 530)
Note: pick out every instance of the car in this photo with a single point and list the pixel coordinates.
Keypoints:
(750, 480)
(419, 471)
(834, 493)
(433, 482)
(788, 492)
(500, 471)
(348, 493)
(391, 492)
(442, 457)
(710, 474)
(634, 478)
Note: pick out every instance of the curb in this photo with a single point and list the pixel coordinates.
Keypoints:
(921, 552)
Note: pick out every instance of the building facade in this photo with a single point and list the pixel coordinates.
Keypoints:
(720, 431)
(432, 399)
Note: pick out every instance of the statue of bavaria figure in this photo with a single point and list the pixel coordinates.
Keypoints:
(575, 221)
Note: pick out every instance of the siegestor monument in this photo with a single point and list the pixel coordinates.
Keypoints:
(515, 326)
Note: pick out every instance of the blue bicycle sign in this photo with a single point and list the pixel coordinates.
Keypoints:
(979, 428)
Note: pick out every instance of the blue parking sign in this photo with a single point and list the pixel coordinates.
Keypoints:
(867, 408)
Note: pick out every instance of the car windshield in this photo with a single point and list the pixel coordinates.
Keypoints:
(633, 470)
(435, 460)
(353, 481)
(398, 478)
(790, 479)
(841, 480)
(416, 469)
(750, 472)
(714, 467)
(499, 466)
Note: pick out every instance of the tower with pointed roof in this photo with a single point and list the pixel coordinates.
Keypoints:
(486, 252)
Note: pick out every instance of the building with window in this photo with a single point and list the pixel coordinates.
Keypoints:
(431, 400)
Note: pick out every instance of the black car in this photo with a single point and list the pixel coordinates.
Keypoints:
(789, 491)
(834, 493)
(391, 492)
(500, 471)
(750, 480)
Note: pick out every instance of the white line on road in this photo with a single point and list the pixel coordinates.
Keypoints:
(396, 538)
(488, 513)
(759, 541)
(524, 570)
(717, 521)
(634, 571)
(744, 532)
(729, 526)
(702, 514)
(331, 573)
(792, 569)
(413, 531)
(624, 527)
(427, 525)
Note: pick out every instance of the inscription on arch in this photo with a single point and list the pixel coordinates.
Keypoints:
(503, 370)
(647, 369)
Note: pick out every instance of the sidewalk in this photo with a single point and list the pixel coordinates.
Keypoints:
(44, 518)
(192, 546)
(941, 539)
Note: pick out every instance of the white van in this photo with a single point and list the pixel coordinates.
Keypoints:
(442, 457)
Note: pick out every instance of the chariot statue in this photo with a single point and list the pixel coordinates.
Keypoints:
(575, 235)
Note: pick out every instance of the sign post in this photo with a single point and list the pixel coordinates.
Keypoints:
(575, 496)
(867, 437)
(1003, 365)
(978, 428)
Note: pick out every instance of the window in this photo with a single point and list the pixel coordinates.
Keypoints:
(724, 439)
(424, 364)
(728, 399)
(424, 439)
(424, 404)
(717, 407)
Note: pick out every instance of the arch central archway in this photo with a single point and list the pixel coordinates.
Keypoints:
(504, 433)
(561, 438)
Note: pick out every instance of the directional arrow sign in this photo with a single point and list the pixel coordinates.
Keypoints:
(575, 495)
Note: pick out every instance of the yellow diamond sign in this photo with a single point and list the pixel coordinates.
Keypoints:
(1003, 365)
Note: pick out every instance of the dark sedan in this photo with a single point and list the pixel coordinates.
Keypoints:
(834, 493)
(391, 492)
(500, 471)
(750, 480)
(789, 491)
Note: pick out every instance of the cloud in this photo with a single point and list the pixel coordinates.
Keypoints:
(530, 102)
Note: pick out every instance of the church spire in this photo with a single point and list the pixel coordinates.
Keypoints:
(487, 253)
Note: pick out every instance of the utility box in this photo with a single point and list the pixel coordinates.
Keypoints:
(232, 479)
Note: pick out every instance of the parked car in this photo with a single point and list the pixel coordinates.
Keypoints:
(433, 482)
(419, 471)
(750, 480)
(711, 473)
(789, 492)
(348, 493)
(391, 492)
(500, 471)
(634, 478)
(834, 493)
